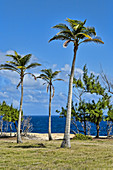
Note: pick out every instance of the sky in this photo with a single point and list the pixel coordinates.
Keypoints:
(26, 28)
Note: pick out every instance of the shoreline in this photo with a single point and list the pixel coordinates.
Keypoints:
(44, 136)
(41, 136)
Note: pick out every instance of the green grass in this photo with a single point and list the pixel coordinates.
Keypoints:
(95, 154)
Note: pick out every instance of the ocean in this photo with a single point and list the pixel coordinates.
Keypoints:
(40, 125)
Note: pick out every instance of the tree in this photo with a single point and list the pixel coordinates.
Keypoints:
(95, 109)
(77, 34)
(9, 114)
(27, 126)
(89, 110)
(19, 64)
(49, 76)
(89, 84)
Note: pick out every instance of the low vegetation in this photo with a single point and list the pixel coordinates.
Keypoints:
(33, 154)
(82, 137)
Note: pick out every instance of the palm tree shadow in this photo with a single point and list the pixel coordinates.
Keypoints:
(39, 145)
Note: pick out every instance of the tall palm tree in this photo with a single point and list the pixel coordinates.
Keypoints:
(49, 77)
(78, 34)
(19, 64)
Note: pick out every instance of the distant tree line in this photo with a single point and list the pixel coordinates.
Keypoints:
(85, 109)
(9, 119)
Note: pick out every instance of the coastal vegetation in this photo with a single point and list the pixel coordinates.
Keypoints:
(8, 114)
(86, 109)
(77, 34)
(82, 111)
(19, 64)
(49, 77)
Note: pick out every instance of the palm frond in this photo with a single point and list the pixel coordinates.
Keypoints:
(48, 87)
(15, 58)
(58, 80)
(18, 84)
(33, 65)
(21, 67)
(48, 73)
(67, 33)
(59, 37)
(9, 67)
(17, 55)
(12, 63)
(24, 60)
(90, 31)
(55, 74)
(66, 43)
(53, 91)
(31, 75)
(44, 77)
(61, 26)
(82, 35)
(74, 23)
(96, 40)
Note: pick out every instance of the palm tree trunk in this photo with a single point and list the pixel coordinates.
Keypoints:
(66, 141)
(19, 140)
(1, 125)
(10, 125)
(49, 127)
(97, 127)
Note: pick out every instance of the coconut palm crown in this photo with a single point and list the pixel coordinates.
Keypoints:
(20, 65)
(77, 33)
(49, 77)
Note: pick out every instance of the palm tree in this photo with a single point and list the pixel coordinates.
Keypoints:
(78, 34)
(19, 64)
(49, 77)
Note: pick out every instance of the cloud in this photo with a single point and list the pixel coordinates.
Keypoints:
(78, 72)
(54, 66)
(35, 94)
(66, 68)
(3, 94)
(16, 103)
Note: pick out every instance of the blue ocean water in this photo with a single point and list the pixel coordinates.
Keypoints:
(40, 125)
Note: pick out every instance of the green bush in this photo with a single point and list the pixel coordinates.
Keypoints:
(82, 137)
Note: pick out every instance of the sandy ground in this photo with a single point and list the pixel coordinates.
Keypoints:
(41, 136)
(44, 136)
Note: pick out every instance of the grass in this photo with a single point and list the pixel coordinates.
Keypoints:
(33, 154)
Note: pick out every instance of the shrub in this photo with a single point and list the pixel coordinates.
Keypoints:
(82, 137)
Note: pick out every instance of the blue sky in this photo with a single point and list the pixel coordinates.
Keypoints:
(26, 28)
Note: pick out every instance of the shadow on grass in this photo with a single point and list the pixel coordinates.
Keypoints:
(39, 145)
(4, 136)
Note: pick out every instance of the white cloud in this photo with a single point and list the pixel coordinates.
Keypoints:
(66, 68)
(96, 74)
(15, 103)
(78, 71)
(3, 94)
(10, 52)
(54, 66)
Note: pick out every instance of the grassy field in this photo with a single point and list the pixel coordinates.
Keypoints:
(33, 154)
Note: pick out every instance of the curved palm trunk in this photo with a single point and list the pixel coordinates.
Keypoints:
(66, 140)
(19, 140)
(49, 127)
